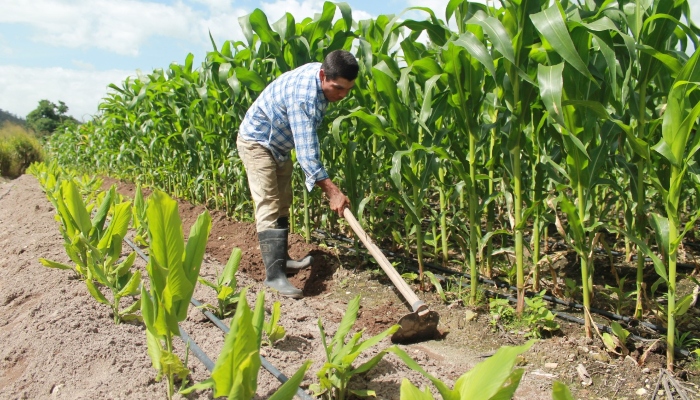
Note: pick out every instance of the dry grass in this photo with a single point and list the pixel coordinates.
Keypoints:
(18, 149)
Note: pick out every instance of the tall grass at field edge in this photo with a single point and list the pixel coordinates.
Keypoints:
(18, 149)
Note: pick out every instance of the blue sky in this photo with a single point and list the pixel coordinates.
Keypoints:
(70, 50)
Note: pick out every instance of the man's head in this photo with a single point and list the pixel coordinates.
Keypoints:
(338, 73)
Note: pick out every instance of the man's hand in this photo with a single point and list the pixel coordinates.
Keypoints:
(338, 200)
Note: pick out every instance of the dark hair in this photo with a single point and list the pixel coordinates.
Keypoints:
(340, 63)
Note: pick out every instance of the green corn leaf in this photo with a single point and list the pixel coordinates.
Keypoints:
(575, 224)
(661, 229)
(259, 24)
(551, 86)
(659, 266)
(683, 305)
(497, 34)
(477, 49)
(375, 339)
(250, 79)
(347, 322)
(620, 332)
(285, 26)
(550, 23)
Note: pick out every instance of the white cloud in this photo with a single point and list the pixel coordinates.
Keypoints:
(21, 88)
(118, 26)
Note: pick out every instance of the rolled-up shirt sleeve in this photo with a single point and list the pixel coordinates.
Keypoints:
(304, 119)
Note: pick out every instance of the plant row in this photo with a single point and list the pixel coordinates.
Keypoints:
(462, 135)
(94, 224)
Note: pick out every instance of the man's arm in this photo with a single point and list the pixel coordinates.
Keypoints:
(338, 200)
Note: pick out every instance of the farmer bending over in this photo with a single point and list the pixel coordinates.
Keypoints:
(284, 117)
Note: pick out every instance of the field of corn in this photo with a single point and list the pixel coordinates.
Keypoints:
(472, 141)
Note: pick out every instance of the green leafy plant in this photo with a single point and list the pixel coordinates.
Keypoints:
(501, 312)
(235, 374)
(438, 286)
(140, 218)
(96, 249)
(617, 340)
(225, 285)
(273, 330)
(173, 268)
(493, 378)
(572, 290)
(340, 355)
(619, 297)
(538, 317)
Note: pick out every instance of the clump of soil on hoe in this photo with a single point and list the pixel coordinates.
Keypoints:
(59, 343)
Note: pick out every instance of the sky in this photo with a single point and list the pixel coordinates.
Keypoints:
(71, 50)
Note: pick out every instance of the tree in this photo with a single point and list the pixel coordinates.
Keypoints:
(48, 117)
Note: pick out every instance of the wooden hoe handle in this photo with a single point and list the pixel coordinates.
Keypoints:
(398, 281)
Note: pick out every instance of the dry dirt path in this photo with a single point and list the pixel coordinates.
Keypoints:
(59, 343)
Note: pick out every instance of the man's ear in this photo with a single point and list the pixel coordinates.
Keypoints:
(322, 74)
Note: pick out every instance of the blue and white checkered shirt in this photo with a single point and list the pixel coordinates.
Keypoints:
(286, 115)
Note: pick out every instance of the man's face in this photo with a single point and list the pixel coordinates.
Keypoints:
(335, 89)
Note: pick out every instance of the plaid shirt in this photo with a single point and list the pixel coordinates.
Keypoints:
(286, 115)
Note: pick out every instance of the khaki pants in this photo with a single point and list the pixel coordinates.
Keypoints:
(270, 183)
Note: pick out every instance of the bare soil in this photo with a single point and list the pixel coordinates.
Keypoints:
(59, 343)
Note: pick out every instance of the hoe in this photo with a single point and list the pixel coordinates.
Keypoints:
(419, 325)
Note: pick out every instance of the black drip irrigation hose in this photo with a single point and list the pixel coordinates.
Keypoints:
(630, 321)
(197, 351)
(562, 315)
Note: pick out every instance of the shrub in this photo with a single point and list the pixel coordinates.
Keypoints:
(18, 150)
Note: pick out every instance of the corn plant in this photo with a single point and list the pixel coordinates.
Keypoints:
(340, 355)
(235, 374)
(173, 268)
(512, 35)
(678, 147)
(225, 285)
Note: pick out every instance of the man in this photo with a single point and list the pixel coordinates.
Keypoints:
(286, 116)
